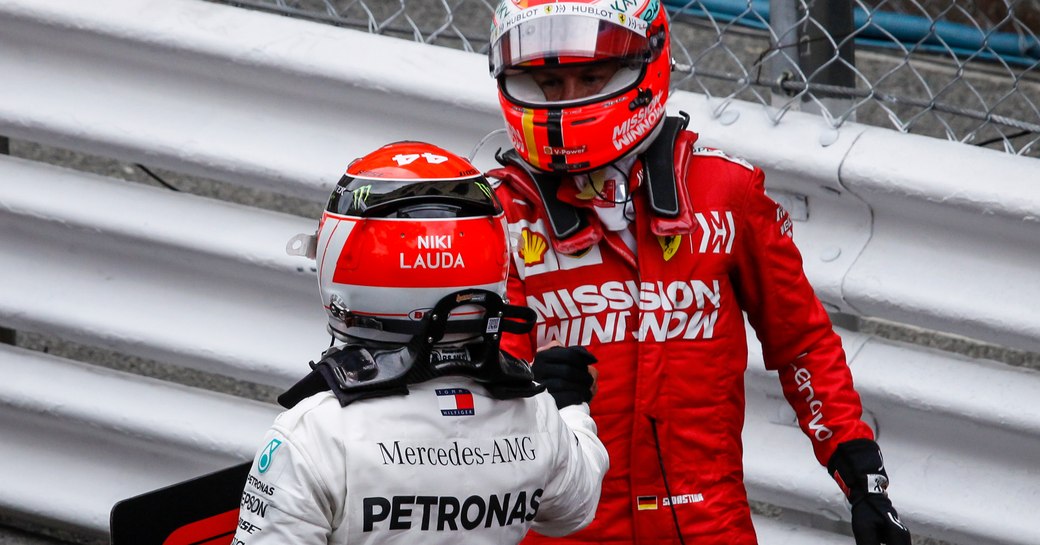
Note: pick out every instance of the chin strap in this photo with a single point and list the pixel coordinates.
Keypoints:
(362, 371)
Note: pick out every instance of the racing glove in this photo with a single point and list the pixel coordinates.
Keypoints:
(564, 371)
(859, 469)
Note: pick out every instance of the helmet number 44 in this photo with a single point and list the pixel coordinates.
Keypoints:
(409, 158)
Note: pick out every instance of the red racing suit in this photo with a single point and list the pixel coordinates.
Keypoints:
(667, 326)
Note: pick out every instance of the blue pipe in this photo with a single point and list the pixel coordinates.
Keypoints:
(727, 10)
(915, 32)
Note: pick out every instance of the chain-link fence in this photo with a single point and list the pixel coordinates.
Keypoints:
(964, 70)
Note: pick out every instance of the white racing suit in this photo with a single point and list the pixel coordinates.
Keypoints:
(446, 463)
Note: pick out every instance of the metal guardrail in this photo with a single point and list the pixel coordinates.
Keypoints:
(901, 227)
(892, 226)
(148, 249)
(78, 438)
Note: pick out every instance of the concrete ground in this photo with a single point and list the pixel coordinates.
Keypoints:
(15, 532)
(10, 536)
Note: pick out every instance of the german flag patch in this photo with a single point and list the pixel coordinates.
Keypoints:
(646, 503)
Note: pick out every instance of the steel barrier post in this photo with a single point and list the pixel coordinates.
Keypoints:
(827, 53)
(783, 38)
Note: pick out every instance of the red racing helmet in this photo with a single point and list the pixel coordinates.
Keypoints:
(407, 225)
(580, 134)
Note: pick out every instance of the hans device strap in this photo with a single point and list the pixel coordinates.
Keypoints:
(564, 219)
(362, 371)
(659, 164)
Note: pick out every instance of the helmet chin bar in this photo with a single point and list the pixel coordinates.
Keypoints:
(498, 317)
(365, 369)
(435, 323)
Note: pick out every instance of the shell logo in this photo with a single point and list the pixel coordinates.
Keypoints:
(532, 247)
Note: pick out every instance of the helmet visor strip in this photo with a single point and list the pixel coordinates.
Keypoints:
(578, 37)
(605, 56)
(415, 199)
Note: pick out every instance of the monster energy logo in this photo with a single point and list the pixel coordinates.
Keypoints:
(361, 196)
(487, 190)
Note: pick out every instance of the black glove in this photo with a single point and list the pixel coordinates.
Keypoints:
(564, 371)
(859, 469)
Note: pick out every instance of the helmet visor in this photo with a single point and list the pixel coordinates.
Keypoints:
(577, 37)
(570, 84)
(381, 198)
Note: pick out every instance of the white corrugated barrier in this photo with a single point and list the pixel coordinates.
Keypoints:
(918, 231)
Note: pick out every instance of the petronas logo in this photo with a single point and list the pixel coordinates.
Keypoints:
(532, 247)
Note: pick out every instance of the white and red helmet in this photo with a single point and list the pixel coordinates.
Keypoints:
(407, 225)
(583, 134)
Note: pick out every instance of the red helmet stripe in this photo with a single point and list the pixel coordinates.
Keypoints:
(457, 313)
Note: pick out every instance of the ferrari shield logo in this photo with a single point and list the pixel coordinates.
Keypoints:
(669, 245)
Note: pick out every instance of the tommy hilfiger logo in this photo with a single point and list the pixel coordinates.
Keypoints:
(455, 401)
